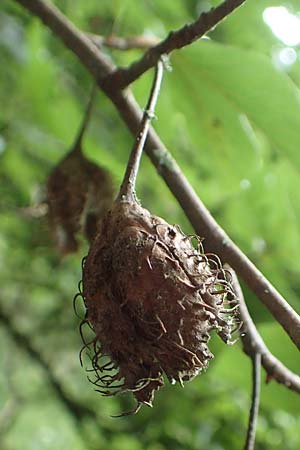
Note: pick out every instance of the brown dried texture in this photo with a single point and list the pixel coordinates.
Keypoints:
(79, 193)
(152, 300)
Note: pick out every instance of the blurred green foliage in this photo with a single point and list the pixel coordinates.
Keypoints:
(230, 114)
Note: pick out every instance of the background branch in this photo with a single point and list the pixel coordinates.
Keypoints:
(251, 431)
(216, 240)
(120, 43)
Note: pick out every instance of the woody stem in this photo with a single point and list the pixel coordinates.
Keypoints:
(127, 189)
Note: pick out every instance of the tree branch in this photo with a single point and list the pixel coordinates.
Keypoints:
(122, 77)
(120, 43)
(216, 239)
(254, 344)
(251, 432)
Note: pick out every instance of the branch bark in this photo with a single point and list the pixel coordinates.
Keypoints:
(253, 344)
(216, 240)
(175, 40)
(251, 431)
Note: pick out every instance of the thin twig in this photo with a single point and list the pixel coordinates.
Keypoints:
(86, 119)
(216, 240)
(254, 344)
(251, 431)
(127, 190)
(124, 44)
(175, 40)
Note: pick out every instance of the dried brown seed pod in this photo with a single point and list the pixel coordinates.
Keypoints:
(151, 297)
(79, 193)
(152, 300)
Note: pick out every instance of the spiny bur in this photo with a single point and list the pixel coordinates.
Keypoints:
(152, 298)
(79, 193)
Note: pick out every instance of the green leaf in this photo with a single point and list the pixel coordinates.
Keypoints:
(253, 86)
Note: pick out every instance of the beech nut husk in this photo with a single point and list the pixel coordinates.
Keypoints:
(152, 300)
(79, 193)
